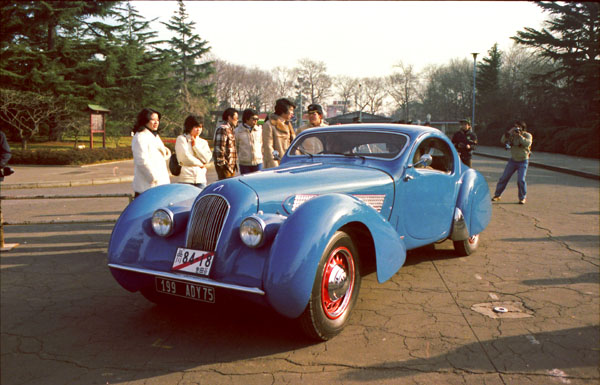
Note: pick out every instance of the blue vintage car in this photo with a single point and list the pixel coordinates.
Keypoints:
(345, 201)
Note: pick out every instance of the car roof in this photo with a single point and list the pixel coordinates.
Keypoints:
(409, 129)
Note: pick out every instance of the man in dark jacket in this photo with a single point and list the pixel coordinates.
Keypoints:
(465, 140)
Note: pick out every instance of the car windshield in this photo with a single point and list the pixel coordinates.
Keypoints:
(350, 143)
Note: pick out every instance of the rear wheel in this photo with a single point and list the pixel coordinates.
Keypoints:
(468, 246)
(334, 291)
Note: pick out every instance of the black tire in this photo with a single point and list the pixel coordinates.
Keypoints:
(329, 310)
(468, 246)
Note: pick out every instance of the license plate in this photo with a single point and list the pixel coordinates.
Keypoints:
(193, 261)
(185, 289)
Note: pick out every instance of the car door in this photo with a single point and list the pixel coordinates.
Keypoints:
(428, 193)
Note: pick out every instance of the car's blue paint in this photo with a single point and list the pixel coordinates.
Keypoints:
(417, 208)
(474, 201)
(133, 242)
(303, 237)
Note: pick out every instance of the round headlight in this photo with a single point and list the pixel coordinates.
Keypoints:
(251, 232)
(162, 222)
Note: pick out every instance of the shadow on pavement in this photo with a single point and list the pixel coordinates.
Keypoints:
(544, 353)
(583, 278)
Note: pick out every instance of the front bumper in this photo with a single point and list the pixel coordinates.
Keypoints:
(120, 274)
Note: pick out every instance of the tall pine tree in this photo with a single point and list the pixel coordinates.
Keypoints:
(488, 87)
(190, 69)
(571, 40)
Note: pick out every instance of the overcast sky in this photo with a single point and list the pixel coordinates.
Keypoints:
(354, 38)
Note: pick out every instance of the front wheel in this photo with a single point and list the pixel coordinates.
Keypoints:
(468, 246)
(334, 291)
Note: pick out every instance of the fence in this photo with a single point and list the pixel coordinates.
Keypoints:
(2, 223)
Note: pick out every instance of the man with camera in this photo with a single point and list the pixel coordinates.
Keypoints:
(4, 157)
(465, 140)
(519, 141)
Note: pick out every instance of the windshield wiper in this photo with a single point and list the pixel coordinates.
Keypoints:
(304, 152)
(348, 154)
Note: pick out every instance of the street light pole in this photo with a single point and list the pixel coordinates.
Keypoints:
(474, 88)
(299, 119)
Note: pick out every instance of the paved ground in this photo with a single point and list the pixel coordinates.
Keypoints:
(65, 321)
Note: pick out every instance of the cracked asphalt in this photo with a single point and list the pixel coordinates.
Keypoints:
(64, 320)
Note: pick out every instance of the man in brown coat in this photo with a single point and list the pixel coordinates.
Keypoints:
(278, 133)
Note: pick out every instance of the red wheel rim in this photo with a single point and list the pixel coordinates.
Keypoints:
(337, 283)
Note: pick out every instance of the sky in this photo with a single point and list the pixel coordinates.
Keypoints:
(352, 38)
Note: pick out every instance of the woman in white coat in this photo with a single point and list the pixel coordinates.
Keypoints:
(149, 153)
(193, 152)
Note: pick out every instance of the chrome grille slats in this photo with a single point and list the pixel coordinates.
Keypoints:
(206, 222)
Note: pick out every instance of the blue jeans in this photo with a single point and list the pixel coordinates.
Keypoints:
(511, 167)
(249, 169)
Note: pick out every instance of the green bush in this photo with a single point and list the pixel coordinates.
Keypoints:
(70, 156)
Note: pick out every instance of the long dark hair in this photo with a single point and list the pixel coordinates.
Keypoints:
(143, 118)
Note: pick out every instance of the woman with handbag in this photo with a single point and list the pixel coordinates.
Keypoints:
(193, 152)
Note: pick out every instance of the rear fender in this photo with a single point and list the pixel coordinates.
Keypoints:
(301, 241)
(473, 207)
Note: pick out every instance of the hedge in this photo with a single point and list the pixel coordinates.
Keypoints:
(583, 142)
(70, 156)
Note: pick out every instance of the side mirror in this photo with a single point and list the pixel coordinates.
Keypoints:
(276, 155)
(425, 161)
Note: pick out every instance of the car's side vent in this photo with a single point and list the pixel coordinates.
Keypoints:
(206, 223)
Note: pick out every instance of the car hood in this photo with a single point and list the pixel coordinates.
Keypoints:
(283, 189)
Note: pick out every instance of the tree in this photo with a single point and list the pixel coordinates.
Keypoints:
(345, 86)
(135, 74)
(26, 111)
(403, 87)
(375, 93)
(314, 75)
(488, 87)
(187, 50)
(49, 48)
(447, 94)
(571, 39)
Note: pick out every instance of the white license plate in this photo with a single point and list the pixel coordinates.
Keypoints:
(185, 289)
(193, 261)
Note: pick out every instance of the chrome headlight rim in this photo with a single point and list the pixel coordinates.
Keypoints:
(169, 224)
(255, 223)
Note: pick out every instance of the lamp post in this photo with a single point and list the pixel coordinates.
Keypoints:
(299, 119)
(474, 89)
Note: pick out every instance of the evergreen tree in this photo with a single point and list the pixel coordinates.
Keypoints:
(137, 75)
(187, 50)
(488, 87)
(571, 40)
(46, 49)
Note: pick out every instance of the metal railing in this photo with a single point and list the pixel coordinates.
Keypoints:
(25, 197)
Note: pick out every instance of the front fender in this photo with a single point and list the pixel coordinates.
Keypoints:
(301, 241)
(474, 203)
(134, 243)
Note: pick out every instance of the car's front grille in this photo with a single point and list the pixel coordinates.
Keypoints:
(206, 223)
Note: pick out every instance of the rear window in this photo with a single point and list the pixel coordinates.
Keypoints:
(370, 144)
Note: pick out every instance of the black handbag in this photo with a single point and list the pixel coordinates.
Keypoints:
(174, 165)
